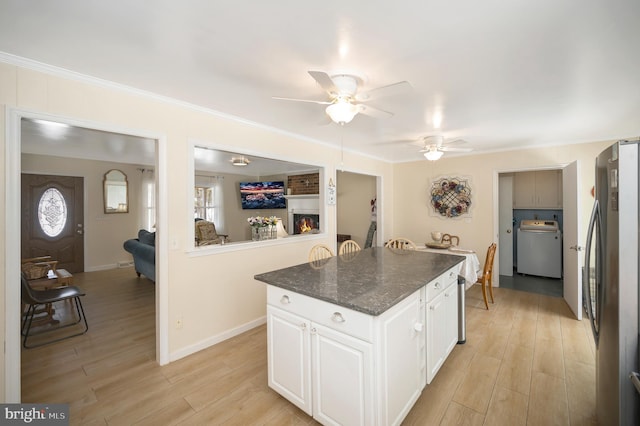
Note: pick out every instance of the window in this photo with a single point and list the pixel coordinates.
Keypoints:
(204, 203)
(52, 212)
(207, 203)
(148, 200)
(218, 178)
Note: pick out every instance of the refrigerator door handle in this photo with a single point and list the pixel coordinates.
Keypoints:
(586, 273)
(635, 379)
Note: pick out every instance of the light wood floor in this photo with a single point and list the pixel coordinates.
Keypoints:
(526, 362)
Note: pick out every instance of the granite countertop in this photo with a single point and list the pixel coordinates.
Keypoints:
(369, 281)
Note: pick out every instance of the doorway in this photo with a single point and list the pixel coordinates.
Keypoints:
(357, 207)
(546, 194)
(15, 145)
(531, 195)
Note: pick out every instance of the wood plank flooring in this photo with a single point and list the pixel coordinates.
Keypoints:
(526, 362)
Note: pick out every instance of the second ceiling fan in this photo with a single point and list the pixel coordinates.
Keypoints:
(436, 146)
(344, 99)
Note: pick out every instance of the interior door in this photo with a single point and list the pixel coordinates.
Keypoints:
(571, 238)
(505, 235)
(52, 219)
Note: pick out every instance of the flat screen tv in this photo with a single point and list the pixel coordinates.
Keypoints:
(262, 195)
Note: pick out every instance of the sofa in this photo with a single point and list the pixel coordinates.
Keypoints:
(143, 250)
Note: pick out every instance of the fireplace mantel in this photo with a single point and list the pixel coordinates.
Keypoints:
(304, 204)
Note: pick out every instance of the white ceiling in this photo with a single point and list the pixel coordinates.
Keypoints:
(502, 74)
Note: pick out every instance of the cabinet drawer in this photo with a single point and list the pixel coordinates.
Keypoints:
(336, 317)
(436, 286)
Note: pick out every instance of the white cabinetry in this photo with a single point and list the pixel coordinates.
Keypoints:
(538, 189)
(442, 320)
(289, 357)
(342, 378)
(321, 357)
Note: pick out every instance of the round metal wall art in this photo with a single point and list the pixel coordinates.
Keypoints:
(451, 197)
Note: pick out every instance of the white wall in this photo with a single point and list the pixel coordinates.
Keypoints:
(215, 295)
(412, 182)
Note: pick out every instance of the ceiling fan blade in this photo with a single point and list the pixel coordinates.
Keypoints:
(399, 88)
(452, 149)
(454, 142)
(324, 81)
(374, 112)
(302, 100)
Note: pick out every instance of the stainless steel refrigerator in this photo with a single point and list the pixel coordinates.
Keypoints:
(610, 283)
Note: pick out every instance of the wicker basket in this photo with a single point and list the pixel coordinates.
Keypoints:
(34, 271)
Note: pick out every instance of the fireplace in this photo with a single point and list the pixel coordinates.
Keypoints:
(305, 223)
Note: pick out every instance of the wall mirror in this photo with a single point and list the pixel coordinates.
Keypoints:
(240, 196)
(116, 192)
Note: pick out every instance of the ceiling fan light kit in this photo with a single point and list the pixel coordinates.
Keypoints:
(240, 161)
(433, 155)
(342, 111)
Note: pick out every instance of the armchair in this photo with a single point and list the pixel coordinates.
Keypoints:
(206, 234)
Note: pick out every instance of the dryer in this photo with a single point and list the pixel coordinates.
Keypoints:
(540, 248)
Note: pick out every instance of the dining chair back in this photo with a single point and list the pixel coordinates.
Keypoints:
(486, 279)
(348, 246)
(401, 243)
(319, 252)
(33, 299)
(454, 240)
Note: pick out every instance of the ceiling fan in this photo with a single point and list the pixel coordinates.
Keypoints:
(344, 99)
(436, 146)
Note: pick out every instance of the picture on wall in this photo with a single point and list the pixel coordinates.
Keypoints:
(450, 197)
(262, 195)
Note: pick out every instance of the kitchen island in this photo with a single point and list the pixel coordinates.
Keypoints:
(354, 339)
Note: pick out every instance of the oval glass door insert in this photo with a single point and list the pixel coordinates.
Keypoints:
(52, 212)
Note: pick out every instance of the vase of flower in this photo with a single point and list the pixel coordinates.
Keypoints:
(263, 228)
(255, 233)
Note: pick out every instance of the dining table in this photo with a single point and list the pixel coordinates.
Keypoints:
(470, 268)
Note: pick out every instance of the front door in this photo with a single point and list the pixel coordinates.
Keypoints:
(52, 219)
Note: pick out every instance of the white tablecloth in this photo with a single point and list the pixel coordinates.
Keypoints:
(470, 268)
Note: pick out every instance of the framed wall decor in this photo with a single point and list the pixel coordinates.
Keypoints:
(450, 197)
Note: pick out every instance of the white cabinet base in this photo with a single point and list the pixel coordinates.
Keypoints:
(345, 367)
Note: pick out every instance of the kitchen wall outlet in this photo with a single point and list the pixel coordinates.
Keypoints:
(179, 322)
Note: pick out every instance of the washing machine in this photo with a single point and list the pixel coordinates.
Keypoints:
(540, 248)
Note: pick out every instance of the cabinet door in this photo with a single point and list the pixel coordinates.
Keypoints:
(342, 378)
(437, 331)
(524, 189)
(289, 357)
(547, 193)
(450, 305)
(401, 370)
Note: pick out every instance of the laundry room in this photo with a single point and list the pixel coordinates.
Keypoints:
(536, 232)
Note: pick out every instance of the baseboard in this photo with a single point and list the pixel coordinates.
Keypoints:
(101, 267)
(120, 264)
(189, 350)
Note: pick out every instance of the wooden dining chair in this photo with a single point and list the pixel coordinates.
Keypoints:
(319, 252)
(486, 279)
(448, 238)
(401, 243)
(348, 246)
